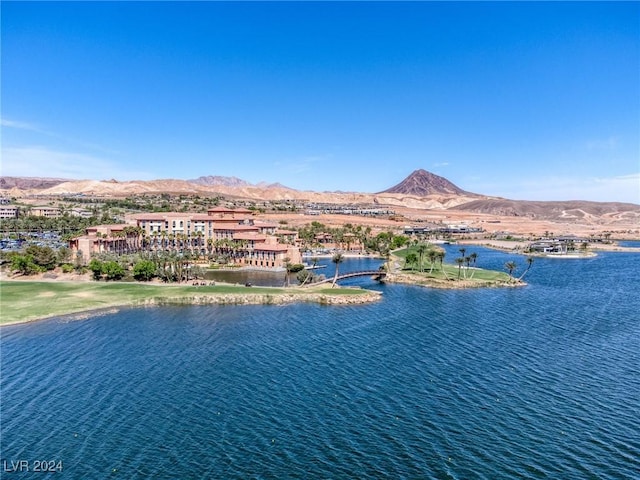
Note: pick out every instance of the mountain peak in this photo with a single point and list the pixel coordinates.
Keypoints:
(217, 180)
(422, 183)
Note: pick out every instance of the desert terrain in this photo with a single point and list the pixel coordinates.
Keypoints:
(421, 199)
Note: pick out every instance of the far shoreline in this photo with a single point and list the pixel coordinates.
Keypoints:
(517, 247)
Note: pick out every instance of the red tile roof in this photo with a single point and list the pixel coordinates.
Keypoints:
(271, 248)
(249, 236)
(265, 224)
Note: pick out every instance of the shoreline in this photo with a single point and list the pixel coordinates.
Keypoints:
(78, 300)
(451, 284)
(517, 247)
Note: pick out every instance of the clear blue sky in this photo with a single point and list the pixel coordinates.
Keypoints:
(521, 100)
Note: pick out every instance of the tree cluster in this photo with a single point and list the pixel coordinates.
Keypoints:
(37, 259)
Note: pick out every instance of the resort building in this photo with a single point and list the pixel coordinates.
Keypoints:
(222, 232)
(48, 212)
(117, 239)
(9, 211)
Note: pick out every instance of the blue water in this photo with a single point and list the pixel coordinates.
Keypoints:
(540, 382)
(630, 243)
(278, 279)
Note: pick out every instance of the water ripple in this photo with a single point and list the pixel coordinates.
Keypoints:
(540, 382)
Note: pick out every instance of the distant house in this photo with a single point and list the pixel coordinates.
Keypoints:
(547, 246)
(441, 230)
(80, 212)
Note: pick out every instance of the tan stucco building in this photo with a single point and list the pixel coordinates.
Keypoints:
(232, 233)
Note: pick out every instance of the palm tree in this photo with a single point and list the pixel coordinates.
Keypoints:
(459, 261)
(200, 244)
(510, 266)
(337, 258)
(210, 242)
(422, 248)
(473, 257)
(529, 262)
(432, 255)
(440, 256)
(287, 265)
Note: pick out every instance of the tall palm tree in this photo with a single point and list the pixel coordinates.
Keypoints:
(337, 258)
(432, 255)
(459, 261)
(529, 262)
(473, 257)
(440, 256)
(200, 243)
(510, 266)
(287, 265)
(422, 248)
(210, 243)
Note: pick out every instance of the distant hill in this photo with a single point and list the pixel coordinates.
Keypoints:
(553, 210)
(422, 183)
(421, 191)
(25, 183)
(273, 185)
(216, 180)
(233, 182)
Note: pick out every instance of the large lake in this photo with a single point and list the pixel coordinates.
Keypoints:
(534, 382)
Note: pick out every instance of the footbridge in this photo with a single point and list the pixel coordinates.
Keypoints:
(377, 274)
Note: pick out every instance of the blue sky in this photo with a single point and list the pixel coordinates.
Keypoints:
(522, 100)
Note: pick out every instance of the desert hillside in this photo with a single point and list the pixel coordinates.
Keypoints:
(421, 197)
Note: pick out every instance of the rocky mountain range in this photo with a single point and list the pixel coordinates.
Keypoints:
(220, 181)
(421, 190)
(29, 182)
(217, 180)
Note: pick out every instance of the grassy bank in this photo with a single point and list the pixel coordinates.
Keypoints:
(23, 301)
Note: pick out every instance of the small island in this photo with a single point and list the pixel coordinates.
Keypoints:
(422, 264)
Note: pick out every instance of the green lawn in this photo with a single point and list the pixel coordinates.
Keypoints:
(24, 300)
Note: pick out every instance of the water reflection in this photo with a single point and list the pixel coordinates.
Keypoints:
(255, 277)
(266, 278)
